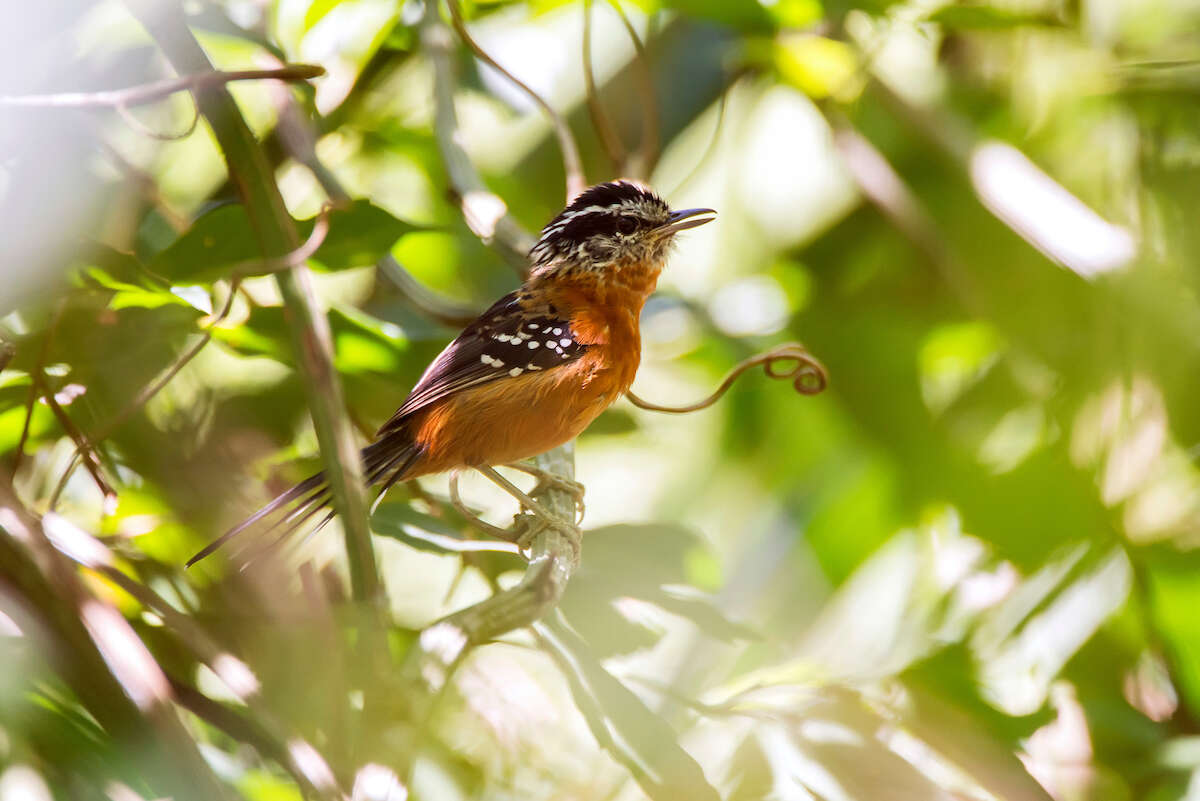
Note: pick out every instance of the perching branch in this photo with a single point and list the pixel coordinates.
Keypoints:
(148, 93)
(572, 164)
(553, 560)
(276, 231)
(808, 377)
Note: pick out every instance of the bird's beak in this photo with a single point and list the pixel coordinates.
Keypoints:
(687, 218)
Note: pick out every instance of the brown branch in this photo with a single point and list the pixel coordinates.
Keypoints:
(470, 191)
(609, 139)
(148, 93)
(649, 148)
(100, 657)
(83, 447)
(572, 164)
(808, 377)
(253, 177)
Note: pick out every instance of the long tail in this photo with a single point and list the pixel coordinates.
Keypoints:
(388, 460)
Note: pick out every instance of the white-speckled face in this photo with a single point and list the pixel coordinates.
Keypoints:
(606, 227)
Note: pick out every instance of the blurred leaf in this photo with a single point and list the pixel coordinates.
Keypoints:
(612, 421)
(362, 343)
(317, 11)
(796, 13)
(980, 17)
(222, 238)
(12, 420)
(643, 564)
(748, 16)
(622, 723)
(818, 66)
(398, 520)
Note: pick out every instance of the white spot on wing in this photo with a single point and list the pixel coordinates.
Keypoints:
(516, 371)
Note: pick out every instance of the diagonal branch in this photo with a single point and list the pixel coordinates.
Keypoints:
(148, 93)
(276, 231)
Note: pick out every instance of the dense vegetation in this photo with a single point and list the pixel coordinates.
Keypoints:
(967, 569)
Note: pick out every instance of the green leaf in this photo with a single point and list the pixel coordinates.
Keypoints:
(223, 240)
(317, 11)
(136, 296)
(362, 343)
(622, 723)
(398, 520)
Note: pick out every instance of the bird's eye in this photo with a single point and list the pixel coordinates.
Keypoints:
(626, 225)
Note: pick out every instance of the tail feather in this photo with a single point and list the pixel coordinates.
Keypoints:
(386, 457)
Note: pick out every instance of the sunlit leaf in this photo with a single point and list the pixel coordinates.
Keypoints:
(623, 724)
(223, 240)
(362, 344)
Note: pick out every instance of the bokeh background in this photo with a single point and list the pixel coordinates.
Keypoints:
(967, 570)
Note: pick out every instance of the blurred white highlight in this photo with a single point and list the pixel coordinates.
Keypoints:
(312, 765)
(751, 306)
(23, 783)
(236, 674)
(76, 543)
(378, 783)
(1045, 214)
(126, 655)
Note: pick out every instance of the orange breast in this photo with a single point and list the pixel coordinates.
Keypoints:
(513, 419)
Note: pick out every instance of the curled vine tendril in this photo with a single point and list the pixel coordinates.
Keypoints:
(807, 374)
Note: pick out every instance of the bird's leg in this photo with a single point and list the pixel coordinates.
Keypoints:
(547, 480)
(457, 502)
(543, 515)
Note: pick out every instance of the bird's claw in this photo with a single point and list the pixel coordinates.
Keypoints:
(552, 481)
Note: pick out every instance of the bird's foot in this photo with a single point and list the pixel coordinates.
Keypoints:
(547, 480)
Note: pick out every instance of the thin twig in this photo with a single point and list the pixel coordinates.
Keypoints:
(83, 447)
(31, 398)
(147, 393)
(808, 377)
(148, 93)
(572, 164)
(484, 212)
(157, 385)
(650, 146)
(145, 130)
(297, 136)
(251, 732)
(713, 141)
(601, 121)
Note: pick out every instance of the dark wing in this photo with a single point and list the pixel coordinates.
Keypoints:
(513, 337)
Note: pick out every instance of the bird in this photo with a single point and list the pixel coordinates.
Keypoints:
(534, 369)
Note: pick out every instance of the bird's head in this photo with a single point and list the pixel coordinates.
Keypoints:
(612, 228)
